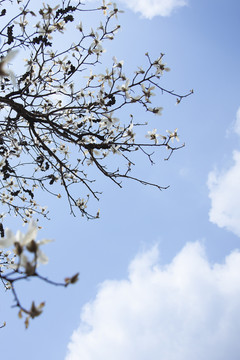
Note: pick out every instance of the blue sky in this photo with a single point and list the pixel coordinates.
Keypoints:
(159, 271)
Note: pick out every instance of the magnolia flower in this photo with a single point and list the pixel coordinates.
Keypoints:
(109, 121)
(152, 135)
(80, 27)
(4, 61)
(107, 76)
(118, 64)
(22, 22)
(115, 10)
(147, 91)
(129, 132)
(125, 88)
(81, 203)
(160, 66)
(156, 110)
(25, 241)
(173, 135)
(140, 71)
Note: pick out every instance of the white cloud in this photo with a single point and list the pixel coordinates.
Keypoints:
(151, 8)
(183, 311)
(224, 190)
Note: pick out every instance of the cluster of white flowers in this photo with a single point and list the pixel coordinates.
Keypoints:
(62, 113)
(26, 249)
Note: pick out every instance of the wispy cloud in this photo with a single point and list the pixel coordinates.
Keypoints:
(224, 192)
(188, 309)
(237, 122)
(151, 8)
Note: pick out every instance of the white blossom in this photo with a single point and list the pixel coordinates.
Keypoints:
(9, 240)
(152, 135)
(173, 135)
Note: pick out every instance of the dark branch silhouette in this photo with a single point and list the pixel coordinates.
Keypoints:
(60, 115)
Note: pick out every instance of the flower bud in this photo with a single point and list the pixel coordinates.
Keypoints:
(32, 246)
(18, 248)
